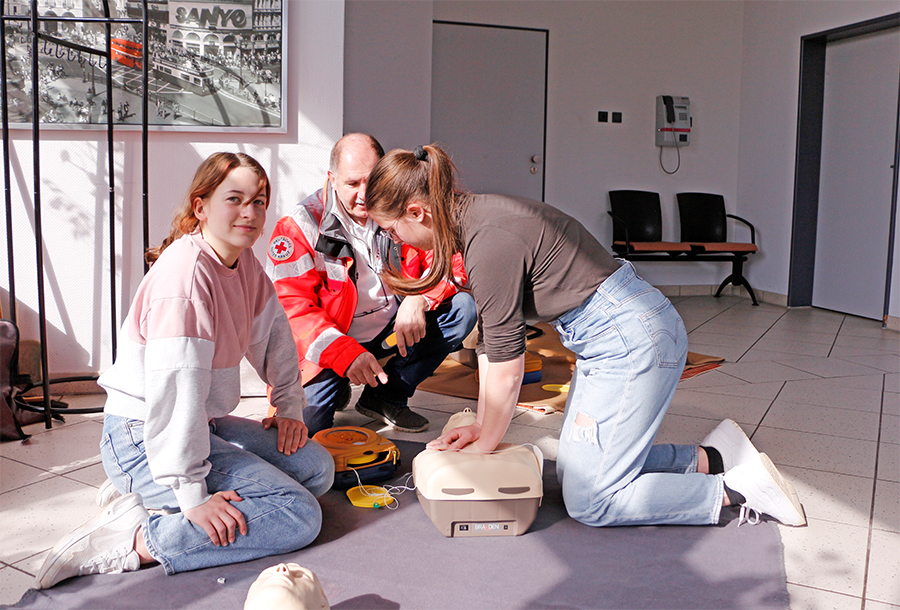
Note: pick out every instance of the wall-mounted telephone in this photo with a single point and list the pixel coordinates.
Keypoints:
(673, 121)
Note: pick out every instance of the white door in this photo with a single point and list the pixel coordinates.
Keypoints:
(487, 105)
(858, 132)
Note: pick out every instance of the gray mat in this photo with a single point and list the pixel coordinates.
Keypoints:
(381, 559)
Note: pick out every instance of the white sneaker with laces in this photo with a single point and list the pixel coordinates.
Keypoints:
(766, 491)
(729, 440)
(103, 545)
(106, 494)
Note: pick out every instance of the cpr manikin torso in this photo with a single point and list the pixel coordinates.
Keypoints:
(468, 493)
(286, 587)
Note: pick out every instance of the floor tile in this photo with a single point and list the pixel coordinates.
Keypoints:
(681, 430)
(846, 423)
(889, 363)
(846, 351)
(13, 584)
(720, 339)
(817, 451)
(67, 448)
(828, 367)
(827, 496)
(875, 605)
(545, 440)
(890, 428)
(760, 372)
(826, 555)
(785, 346)
(888, 462)
(718, 407)
(862, 327)
(750, 333)
(885, 344)
(892, 383)
(43, 513)
(804, 336)
(808, 598)
(549, 421)
(93, 475)
(883, 582)
(711, 379)
(15, 474)
(756, 354)
(835, 393)
(766, 391)
(730, 354)
(887, 506)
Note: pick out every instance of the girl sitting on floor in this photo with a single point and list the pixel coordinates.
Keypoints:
(222, 489)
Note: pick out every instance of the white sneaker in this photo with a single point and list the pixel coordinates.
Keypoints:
(103, 545)
(106, 494)
(766, 491)
(729, 440)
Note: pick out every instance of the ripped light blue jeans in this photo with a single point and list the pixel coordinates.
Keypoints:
(279, 492)
(631, 346)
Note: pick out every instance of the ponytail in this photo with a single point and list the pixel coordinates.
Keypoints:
(426, 174)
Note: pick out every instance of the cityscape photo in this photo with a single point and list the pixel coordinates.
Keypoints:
(212, 64)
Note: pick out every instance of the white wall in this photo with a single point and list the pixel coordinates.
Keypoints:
(769, 98)
(614, 56)
(387, 71)
(74, 195)
(737, 61)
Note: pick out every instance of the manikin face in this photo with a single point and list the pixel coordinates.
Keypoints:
(233, 216)
(413, 228)
(350, 178)
(286, 587)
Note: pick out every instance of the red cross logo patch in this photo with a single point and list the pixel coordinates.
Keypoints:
(281, 248)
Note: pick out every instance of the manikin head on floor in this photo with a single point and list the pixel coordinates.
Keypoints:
(286, 586)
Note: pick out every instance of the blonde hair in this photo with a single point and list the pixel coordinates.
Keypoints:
(211, 173)
(426, 174)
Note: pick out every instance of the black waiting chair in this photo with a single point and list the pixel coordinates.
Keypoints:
(704, 228)
(637, 226)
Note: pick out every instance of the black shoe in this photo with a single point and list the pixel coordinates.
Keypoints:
(401, 418)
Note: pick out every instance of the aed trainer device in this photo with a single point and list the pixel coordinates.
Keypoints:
(360, 455)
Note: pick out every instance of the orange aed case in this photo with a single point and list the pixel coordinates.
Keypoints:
(360, 455)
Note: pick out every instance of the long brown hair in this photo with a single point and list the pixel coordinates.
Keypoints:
(211, 173)
(426, 174)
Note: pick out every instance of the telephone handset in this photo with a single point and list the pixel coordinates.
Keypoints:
(670, 108)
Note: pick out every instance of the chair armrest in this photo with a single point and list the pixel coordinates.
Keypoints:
(616, 219)
(752, 228)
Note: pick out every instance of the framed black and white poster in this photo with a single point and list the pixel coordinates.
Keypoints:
(214, 65)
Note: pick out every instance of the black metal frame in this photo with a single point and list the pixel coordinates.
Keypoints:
(48, 407)
(697, 253)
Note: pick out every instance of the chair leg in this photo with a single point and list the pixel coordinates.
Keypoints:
(737, 278)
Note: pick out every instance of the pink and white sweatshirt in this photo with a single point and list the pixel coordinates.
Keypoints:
(178, 364)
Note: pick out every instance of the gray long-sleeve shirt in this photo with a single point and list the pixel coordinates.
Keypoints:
(527, 262)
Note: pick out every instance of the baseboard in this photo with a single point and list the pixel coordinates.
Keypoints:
(893, 323)
(69, 388)
(762, 296)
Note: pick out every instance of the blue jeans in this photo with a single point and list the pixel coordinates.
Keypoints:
(279, 492)
(631, 346)
(445, 329)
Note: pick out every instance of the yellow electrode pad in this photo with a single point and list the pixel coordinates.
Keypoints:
(369, 496)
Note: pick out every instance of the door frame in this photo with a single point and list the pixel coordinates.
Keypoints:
(808, 159)
(546, 33)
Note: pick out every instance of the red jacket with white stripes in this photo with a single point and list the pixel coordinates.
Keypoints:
(311, 263)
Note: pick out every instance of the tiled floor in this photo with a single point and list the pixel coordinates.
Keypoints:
(818, 391)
